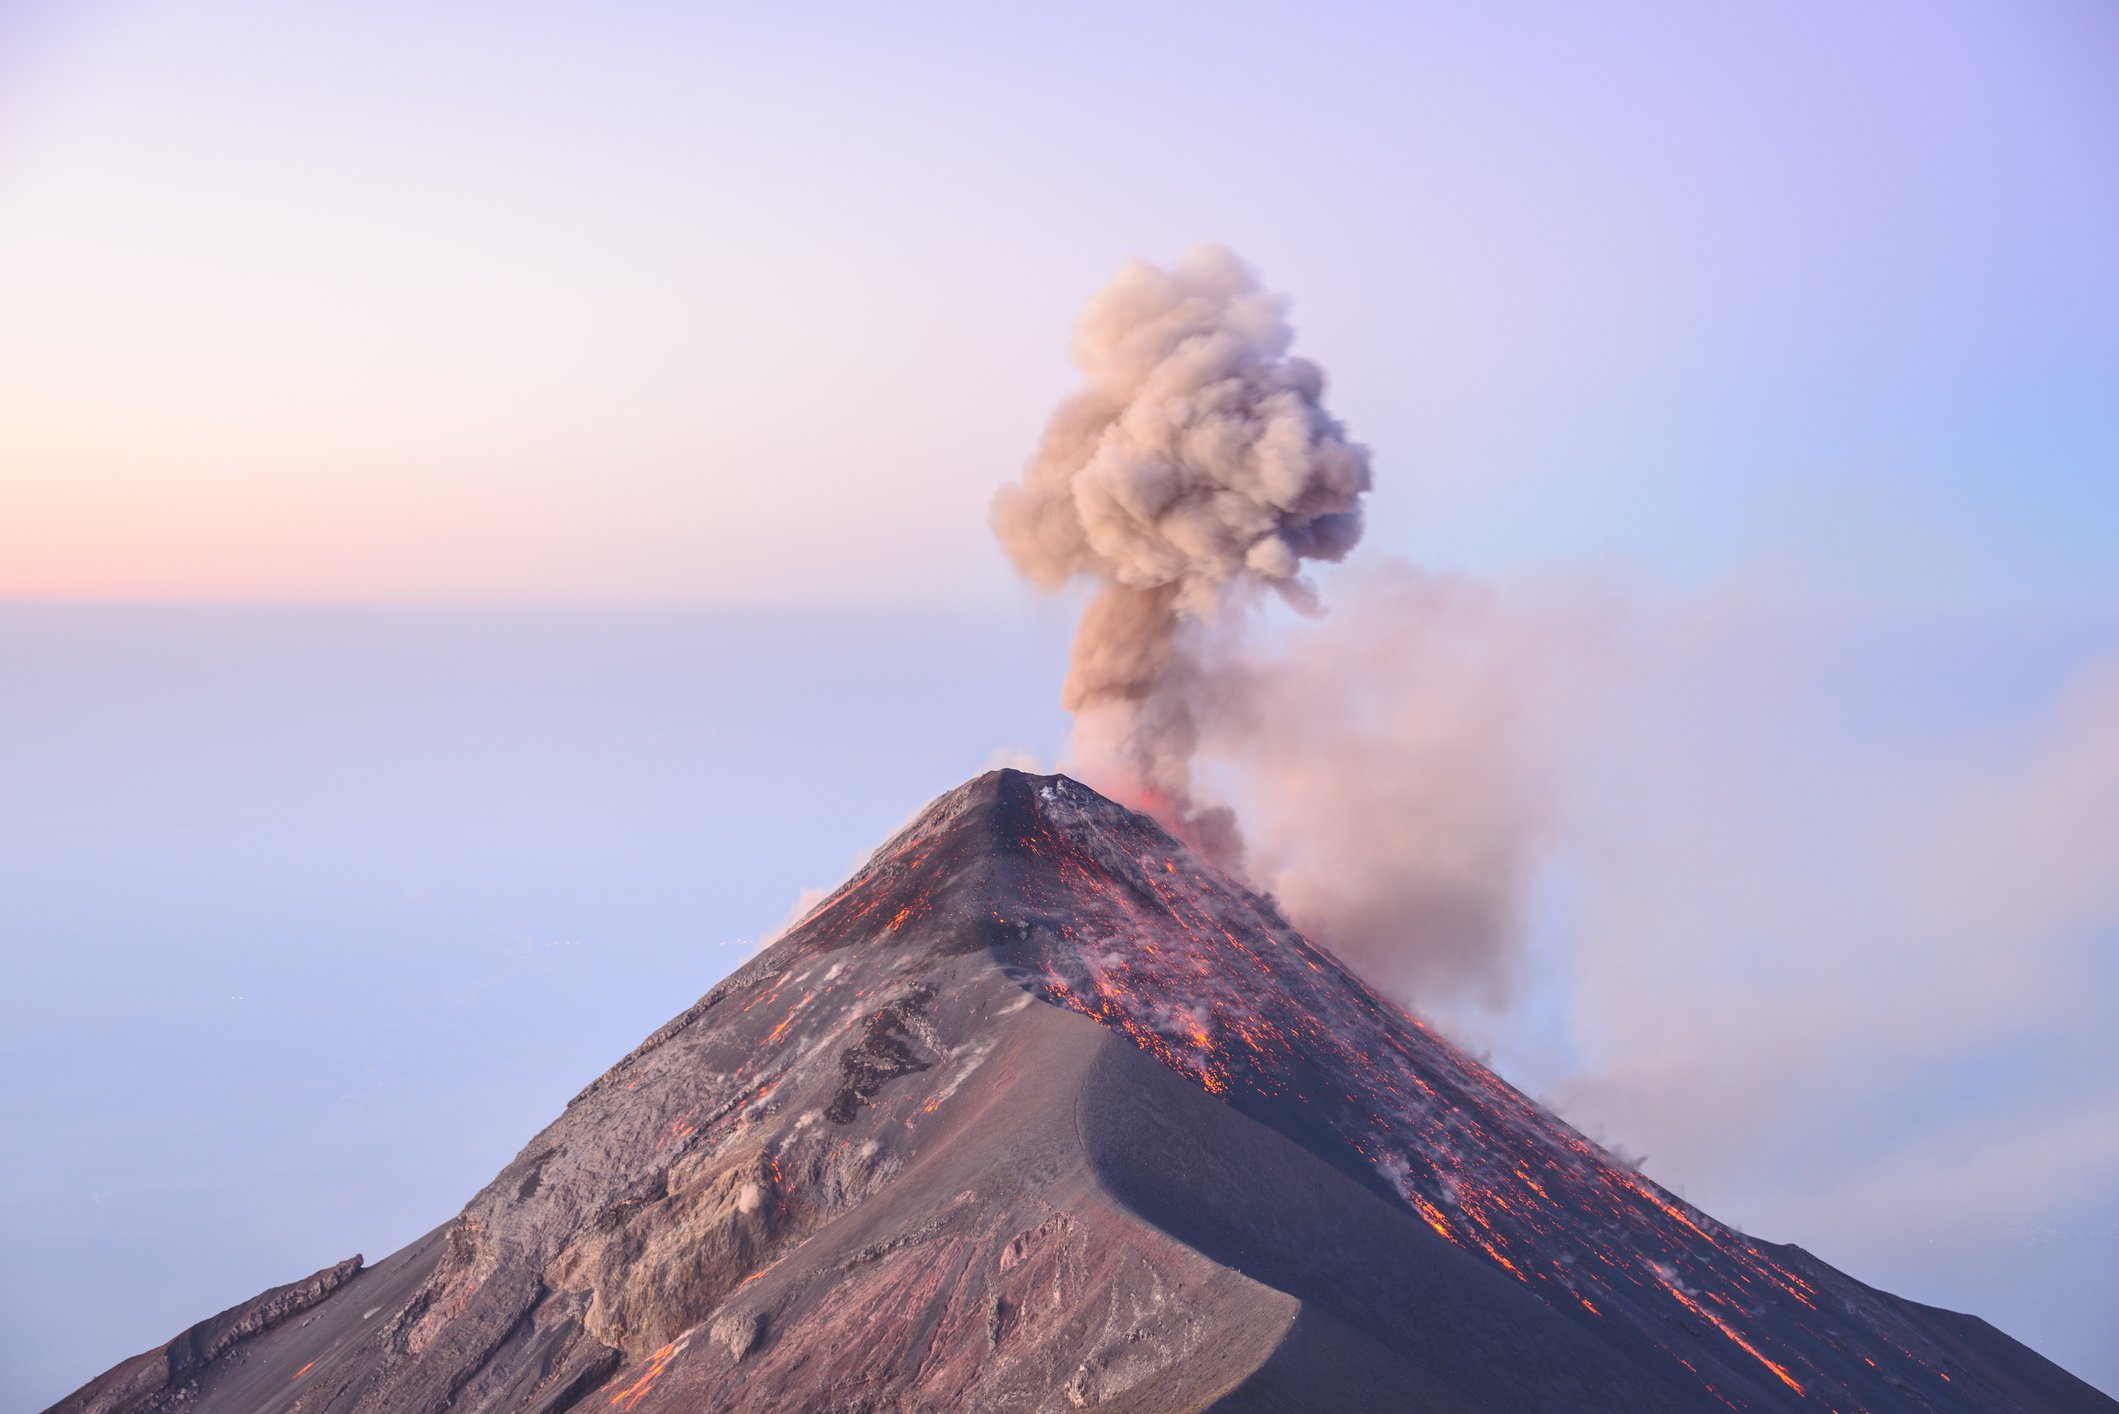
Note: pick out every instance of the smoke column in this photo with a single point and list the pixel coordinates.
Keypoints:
(1196, 465)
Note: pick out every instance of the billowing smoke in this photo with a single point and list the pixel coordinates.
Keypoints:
(1196, 466)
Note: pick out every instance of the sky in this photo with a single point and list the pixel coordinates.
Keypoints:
(493, 504)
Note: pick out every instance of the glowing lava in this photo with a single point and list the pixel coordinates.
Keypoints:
(1254, 1013)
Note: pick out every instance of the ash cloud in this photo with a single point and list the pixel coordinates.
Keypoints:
(1196, 467)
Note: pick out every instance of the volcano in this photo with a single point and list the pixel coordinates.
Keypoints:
(1040, 1112)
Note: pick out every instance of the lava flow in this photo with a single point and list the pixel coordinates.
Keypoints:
(1126, 926)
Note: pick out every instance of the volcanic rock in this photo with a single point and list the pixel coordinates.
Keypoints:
(1038, 1112)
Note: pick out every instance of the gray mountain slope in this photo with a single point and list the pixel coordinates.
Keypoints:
(1037, 1113)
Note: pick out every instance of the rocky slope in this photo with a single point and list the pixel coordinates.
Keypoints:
(1037, 1112)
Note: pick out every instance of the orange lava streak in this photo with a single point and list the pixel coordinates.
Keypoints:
(1434, 1217)
(1749, 1349)
(633, 1393)
(761, 1271)
(1495, 1253)
(779, 1030)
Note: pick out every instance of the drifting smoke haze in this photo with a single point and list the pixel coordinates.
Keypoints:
(1769, 899)
(1391, 778)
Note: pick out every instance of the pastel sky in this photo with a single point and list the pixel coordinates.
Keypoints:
(492, 504)
(498, 303)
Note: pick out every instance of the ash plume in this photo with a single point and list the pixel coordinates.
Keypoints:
(1196, 467)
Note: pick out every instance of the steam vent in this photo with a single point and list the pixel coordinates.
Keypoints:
(1038, 1112)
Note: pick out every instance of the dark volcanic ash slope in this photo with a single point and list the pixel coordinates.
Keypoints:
(1037, 1112)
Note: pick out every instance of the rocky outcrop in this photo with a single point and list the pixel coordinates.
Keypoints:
(168, 1378)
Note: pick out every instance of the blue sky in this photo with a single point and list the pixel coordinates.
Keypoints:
(492, 505)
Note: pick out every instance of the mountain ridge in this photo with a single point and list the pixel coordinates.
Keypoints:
(1055, 1116)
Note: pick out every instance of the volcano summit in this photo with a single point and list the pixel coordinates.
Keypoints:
(1039, 1112)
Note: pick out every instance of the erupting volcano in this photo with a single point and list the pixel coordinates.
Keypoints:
(1039, 1111)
